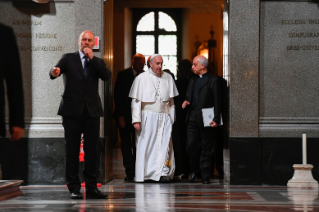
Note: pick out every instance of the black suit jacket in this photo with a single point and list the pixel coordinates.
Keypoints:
(10, 72)
(81, 90)
(123, 84)
(209, 95)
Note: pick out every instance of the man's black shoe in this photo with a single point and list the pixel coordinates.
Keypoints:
(76, 195)
(95, 194)
(165, 179)
(206, 181)
(129, 179)
(192, 177)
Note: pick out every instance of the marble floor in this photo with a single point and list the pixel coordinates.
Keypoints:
(177, 196)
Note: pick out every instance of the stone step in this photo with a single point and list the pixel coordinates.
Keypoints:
(10, 188)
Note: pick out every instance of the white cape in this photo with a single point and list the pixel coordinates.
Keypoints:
(143, 89)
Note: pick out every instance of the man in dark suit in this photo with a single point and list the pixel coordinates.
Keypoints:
(204, 91)
(10, 72)
(122, 113)
(81, 109)
(184, 73)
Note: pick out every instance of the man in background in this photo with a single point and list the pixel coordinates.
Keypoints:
(123, 115)
(184, 73)
(10, 73)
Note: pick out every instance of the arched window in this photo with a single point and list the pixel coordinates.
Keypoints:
(157, 31)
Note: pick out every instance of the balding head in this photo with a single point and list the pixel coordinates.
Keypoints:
(138, 62)
(200, 64)
(86, 40)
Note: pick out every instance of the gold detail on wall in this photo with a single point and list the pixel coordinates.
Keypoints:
(108, 58)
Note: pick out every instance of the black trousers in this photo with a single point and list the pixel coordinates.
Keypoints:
(73, 127)
(200, 145)
(128, 148)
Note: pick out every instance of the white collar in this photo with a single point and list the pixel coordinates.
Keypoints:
(81, 54)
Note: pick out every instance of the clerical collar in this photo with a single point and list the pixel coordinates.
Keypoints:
(203, 75)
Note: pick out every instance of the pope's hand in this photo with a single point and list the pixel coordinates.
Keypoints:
(137, 125)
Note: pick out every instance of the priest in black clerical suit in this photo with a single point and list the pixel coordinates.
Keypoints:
(204, 91)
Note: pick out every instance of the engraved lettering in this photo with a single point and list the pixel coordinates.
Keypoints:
(45, 35)
(306, 47)
(42, 48)
(313, 21)
(303, 34)
(27, 22)
(23, 35)
(16, 22)
(293, 21)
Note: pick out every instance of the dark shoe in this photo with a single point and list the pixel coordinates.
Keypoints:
(192, 177)
(206, 181)
(95, 194)
(184, 176)
(76, 195)
(129, 179)
(165, 179)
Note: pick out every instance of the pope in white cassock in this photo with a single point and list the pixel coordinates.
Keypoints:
(153, 113)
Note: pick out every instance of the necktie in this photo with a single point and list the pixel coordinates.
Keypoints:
(85, 65)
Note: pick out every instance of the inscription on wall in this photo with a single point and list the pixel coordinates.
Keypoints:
(303, 33)
(289, 52)
(36, 36)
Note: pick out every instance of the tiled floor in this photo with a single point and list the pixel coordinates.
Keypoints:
(177, 196)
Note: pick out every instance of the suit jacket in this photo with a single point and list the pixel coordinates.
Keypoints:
(123, 84)
(81, 90)
(209, 95)
(10, 72)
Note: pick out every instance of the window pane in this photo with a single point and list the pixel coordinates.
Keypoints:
(146, 23)
(145, 44)
(167, 44)
(167, 47)
(166, 22)
(170, 62)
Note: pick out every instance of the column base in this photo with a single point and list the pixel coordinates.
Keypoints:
(302, 177)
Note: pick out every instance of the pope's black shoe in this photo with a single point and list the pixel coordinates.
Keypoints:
(76, 195)
(95, 194)
(192, 177)
(165, 179)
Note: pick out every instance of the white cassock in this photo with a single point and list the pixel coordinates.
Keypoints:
(153, 106)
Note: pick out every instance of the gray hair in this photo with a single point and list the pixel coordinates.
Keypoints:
(203, 60)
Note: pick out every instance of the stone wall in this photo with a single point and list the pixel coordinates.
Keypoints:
(273, 89)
